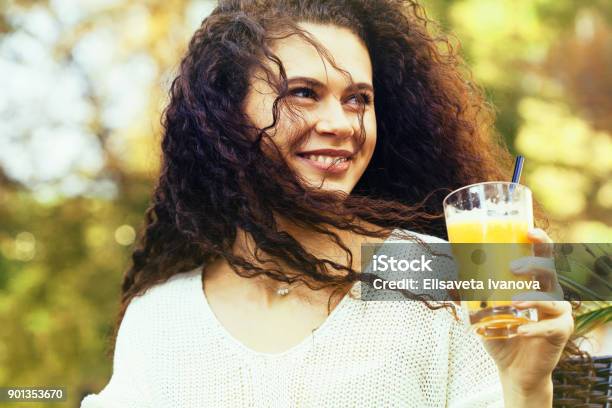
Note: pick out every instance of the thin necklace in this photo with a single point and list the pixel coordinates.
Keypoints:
(284, 290)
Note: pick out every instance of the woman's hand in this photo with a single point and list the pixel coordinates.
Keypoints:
(526, 362)
(541, 267)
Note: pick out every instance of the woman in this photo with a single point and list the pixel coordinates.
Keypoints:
(296, 131)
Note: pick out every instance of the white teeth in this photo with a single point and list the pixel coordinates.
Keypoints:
(326, 159)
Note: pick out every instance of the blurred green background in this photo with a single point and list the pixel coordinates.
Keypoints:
(82, 87)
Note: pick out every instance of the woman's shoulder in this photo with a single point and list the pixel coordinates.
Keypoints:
(164, 295)
(180, 282)
(400, 235)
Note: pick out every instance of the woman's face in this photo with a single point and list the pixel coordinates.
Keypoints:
(327, 105)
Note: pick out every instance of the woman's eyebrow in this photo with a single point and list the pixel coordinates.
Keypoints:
(315, 83)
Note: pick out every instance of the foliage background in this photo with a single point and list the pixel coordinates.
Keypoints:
(82, 87)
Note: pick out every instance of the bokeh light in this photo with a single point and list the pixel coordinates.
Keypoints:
(125, 234)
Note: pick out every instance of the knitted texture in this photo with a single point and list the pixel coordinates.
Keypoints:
(171, 351)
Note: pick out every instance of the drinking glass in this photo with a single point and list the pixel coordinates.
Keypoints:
(487, 224)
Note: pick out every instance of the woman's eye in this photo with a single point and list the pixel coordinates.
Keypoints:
(303, 92)
(362, 98)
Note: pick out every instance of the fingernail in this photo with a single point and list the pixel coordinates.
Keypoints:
(537, 233)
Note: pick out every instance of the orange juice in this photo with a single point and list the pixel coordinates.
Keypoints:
(487, 224)
(491, 318)
(512, 230)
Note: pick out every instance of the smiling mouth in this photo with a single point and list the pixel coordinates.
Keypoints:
(326, 163)
(320, 158)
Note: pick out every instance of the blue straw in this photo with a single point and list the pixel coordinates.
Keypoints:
(518, 167)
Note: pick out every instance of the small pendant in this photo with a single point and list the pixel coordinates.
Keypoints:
(282, 291)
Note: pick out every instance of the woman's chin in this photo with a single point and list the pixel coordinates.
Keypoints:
(331, 186)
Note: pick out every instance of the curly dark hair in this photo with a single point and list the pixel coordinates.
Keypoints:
(435, 134)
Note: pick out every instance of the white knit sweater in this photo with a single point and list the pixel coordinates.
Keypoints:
(172, 352)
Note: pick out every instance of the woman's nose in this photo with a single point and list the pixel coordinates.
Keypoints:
(334, 121)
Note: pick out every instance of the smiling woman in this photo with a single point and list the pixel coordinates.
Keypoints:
(298, 130)
(333, 104)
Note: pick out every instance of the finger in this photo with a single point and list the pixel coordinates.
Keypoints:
(542, 269)
(534, 265)
(549, 307)
(557, 330)
(543, 244)
(539, 235)
(537, 296)
(554, 295)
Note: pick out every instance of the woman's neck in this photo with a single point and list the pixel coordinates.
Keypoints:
(263, 289)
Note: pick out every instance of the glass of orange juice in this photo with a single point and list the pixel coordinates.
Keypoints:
(491, 220)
